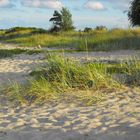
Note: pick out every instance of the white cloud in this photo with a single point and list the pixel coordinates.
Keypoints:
(119, 4)
(5, 3)
(94, 5)
(52, 4)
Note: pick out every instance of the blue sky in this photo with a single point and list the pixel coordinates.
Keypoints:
(86, 13)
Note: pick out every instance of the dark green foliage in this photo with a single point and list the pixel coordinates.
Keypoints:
(33, 30)
(57, 21)
(62, 21)
(134, 13)
(87, 29)
(101, 28)
(67, 23)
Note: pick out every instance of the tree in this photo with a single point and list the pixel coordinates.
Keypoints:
(134, 13)
(62, 20)
(57, 21)
(87, 29)
(101, 28)
(67, 23)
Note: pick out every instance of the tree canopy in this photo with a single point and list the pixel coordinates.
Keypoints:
(134, 13)
(62, 21)
(57, 20)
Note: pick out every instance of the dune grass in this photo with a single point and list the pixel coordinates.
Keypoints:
(111, 40)
(33, 37)
(115, 39)
(65, 80)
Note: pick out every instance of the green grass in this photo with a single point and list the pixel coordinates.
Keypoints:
(95, 40)
(9, 53)
(111, 40)
(4, 53)
(32, 38)
(67, 80)
(64, 80)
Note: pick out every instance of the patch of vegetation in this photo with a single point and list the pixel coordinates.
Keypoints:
(70, 81)
(9, 53)
(133, 13)
(4, 53)
(21, 30)
(110, 40)
(62, 20)
(97, 40)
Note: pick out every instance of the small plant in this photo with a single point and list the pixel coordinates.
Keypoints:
(15, 92)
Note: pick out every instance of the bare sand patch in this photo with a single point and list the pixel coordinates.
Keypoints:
(18, 67)
(117, 118)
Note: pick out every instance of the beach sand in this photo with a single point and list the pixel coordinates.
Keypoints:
(17, 68)
(117, 118)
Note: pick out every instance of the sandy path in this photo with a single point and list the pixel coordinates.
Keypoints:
(117, 118)
(18, 67)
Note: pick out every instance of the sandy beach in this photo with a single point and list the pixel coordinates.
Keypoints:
(117, 118)
(70, 70)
